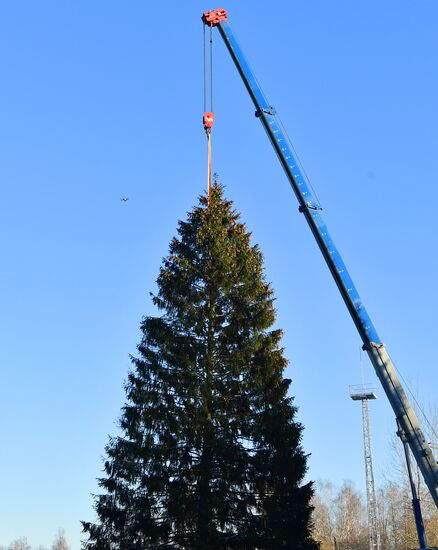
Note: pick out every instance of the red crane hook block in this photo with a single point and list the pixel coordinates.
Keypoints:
(208, 121)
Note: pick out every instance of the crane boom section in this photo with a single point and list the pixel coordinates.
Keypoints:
(308, 205)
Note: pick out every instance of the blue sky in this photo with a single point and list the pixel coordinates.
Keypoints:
(104, 99)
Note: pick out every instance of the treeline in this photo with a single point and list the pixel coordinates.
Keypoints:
(59, 543)
(341, 521)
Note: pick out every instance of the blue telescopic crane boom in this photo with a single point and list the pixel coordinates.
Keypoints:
(409, 426)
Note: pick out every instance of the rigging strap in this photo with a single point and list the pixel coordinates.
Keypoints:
(209, 165)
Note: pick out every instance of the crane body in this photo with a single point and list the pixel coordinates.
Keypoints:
(409, 426)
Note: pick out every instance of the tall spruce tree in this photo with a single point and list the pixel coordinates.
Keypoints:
(210, 455)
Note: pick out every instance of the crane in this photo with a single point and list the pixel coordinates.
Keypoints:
(409, 428)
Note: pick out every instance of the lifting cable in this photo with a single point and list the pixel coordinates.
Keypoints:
(208, 118)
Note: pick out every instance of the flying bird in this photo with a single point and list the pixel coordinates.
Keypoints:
(124, 199)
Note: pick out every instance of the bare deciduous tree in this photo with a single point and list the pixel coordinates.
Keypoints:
(20, 544)
(339, 517)
(323, 517)
(60, 543)
(350, 516)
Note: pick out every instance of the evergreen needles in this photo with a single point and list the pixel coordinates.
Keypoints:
(210, 455)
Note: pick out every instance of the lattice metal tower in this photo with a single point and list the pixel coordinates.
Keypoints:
(364, 394)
